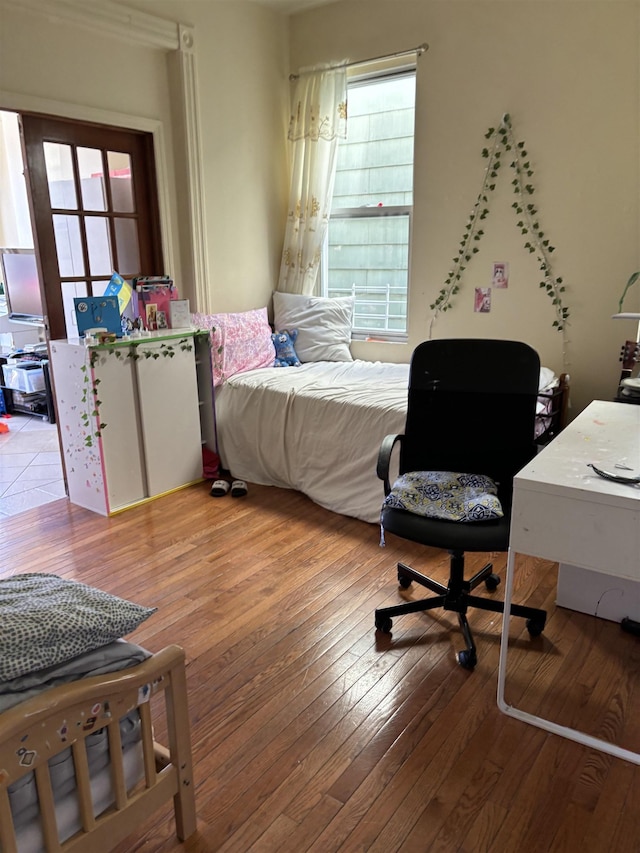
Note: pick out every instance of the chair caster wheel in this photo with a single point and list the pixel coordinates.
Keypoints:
(403, 581)
(466, 659)
(492, 582)
(383, 623)
(535, 627)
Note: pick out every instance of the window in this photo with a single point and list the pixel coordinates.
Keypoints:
(367, 247)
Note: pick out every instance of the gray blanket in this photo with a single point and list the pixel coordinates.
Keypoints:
(110, 658)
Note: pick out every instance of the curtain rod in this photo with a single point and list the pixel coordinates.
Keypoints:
(422, 48)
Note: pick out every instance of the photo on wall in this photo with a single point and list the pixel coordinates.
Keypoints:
(482, 300)
(500, 275)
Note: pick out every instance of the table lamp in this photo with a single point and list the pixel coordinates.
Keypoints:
(629, 315)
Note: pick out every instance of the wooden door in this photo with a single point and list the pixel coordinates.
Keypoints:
(94, 207)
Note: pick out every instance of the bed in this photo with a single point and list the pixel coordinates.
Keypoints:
(317, 428)
(79, 764)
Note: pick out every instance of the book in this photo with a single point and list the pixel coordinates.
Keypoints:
(97, 312)
(155, 294)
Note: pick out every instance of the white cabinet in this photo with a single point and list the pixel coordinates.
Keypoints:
(129, 418)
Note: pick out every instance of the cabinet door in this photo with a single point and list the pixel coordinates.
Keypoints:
(169, 414)
(104, 472)
(120, 439)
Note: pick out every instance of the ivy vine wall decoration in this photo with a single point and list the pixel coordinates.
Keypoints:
(503, 147)
(134, 350)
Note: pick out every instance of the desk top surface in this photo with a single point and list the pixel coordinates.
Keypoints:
(605, 434)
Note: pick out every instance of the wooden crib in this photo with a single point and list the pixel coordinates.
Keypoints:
(38, 729)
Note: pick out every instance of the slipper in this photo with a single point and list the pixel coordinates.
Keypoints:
(238, 489)
(219, 489)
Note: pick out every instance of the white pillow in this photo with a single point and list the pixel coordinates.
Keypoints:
(324, 325)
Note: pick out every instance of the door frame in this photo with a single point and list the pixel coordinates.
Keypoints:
(56, 109)
(36, 132)
(178, 42)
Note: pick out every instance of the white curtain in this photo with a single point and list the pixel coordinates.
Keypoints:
(15, 222)
(318, 120)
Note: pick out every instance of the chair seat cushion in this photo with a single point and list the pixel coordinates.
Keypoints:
(446, 495)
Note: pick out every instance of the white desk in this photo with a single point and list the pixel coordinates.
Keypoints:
(562, 511)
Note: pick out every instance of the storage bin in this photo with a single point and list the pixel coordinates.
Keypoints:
(28, 377)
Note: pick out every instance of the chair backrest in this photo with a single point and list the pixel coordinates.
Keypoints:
(471, 408)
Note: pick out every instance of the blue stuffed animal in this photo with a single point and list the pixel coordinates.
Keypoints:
(285, 351)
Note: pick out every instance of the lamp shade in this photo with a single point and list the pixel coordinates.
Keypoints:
(629, 315)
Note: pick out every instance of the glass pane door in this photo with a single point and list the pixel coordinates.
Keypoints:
(94, 207)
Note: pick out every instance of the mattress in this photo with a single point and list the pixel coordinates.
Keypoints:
(316, 428)
(24, 798)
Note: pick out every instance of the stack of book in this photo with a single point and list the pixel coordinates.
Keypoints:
(158, 304)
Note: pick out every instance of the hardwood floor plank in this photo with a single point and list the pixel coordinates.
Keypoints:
(311, 731)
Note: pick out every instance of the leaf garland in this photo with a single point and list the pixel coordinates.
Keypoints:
(503, 143)
(90, 381)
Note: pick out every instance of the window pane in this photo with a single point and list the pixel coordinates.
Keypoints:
(368, 255)
(127, 246)
(375, 161)
(120, 180)
(98, 286)
(98, 245)
(70, 290)
(68, 245)
(59, 166)
(91, 179)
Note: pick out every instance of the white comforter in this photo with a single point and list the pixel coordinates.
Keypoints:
(315, 428)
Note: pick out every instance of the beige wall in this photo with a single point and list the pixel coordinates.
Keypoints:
(568, 74)
(241, 65)
(50, 65)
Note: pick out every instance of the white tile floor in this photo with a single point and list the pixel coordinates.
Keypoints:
(30, 466)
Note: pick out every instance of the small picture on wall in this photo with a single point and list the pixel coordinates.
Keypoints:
(500, 276)
(482, 301)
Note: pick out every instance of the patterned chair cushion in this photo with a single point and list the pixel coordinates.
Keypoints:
(446, 495)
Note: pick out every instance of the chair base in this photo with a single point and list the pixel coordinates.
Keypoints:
(457, 597)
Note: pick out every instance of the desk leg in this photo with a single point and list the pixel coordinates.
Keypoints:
(532, 719)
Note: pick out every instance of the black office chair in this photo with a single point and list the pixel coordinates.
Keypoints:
(471, 409)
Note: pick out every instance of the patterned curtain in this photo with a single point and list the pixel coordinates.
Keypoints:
(318, 120)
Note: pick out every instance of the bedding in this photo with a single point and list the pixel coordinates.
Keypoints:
(23, 795)
(323, 324)
(68, 753)
(110, 658)
(71, 756)
(316, 428)
(239, 341)
(551, 388)
(46, 620)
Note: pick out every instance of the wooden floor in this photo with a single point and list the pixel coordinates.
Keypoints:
(312, 733)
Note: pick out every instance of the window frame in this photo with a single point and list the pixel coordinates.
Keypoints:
(360, 78)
